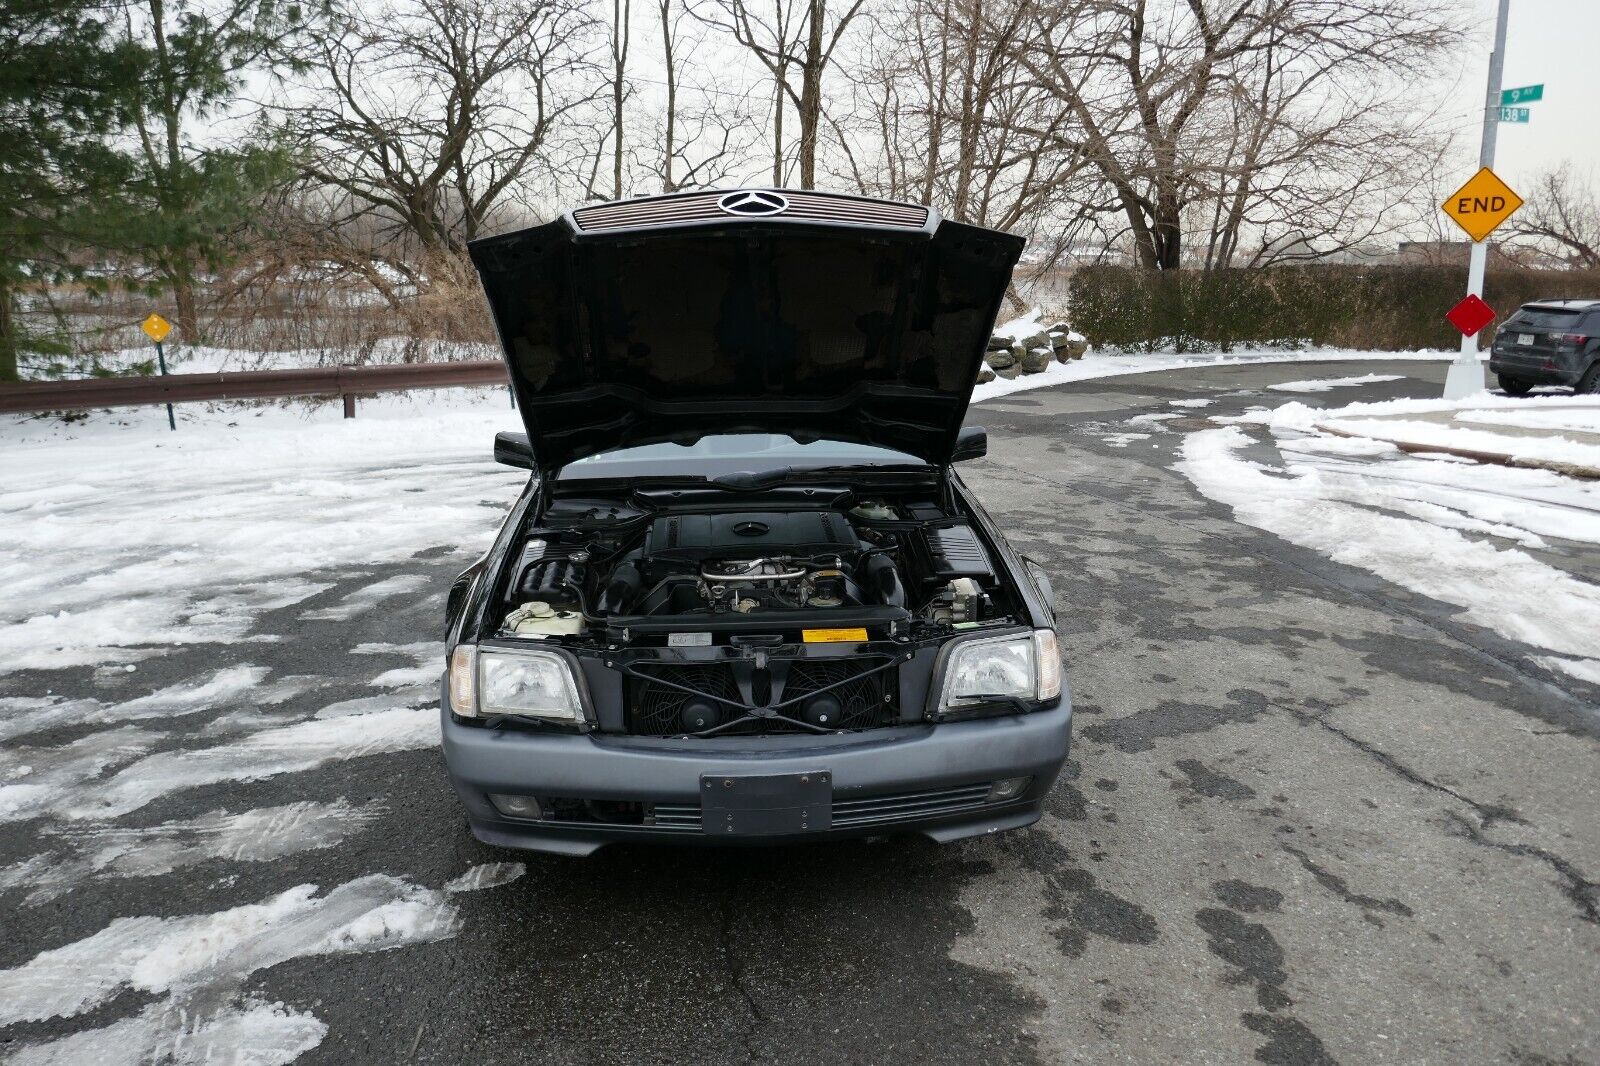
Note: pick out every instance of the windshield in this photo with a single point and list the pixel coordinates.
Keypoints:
(728, 453)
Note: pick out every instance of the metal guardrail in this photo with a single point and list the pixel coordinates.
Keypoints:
(346, 382)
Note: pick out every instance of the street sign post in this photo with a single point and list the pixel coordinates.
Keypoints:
(1524, 94)
(1465, 375)
(1482, 204)
(1513, 114)
(156, 328)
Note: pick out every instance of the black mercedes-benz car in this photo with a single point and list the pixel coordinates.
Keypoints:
(744, 595)
(1550, 342)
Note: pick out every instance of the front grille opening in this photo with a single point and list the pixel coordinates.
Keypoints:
(848, 813)
(659, 710)
(574, 811)
(593, 812)
(850, 694)
(861, 702)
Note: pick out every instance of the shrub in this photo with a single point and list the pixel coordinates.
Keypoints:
(1387, 308)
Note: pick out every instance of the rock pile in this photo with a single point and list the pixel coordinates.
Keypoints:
(1031, 354)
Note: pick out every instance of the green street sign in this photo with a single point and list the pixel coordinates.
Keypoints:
(1526, 94)
(1513, 114)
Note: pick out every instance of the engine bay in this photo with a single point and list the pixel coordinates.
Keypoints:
(682, 568)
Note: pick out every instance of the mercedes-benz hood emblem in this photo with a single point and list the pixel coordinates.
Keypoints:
(753, 202)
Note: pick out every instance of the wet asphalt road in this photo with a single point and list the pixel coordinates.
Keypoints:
(1310, 817)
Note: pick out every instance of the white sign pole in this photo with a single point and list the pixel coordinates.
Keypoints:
(1465, 375)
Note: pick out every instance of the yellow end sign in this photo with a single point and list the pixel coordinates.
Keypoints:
(832, 636)
(1482, 204)
(156, 328)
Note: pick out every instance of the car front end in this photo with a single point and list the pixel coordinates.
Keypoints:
(744, 596)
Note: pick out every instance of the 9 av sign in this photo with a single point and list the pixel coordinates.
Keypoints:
(1482, 204)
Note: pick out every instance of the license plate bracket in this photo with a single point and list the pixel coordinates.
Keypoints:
(766, 805)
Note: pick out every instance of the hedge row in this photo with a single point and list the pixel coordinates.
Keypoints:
(1389, 308)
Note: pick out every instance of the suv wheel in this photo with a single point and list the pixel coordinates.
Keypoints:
(1514, 386)
(1590, 385)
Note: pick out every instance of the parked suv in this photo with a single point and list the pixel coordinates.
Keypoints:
(1551, 342)
(744, 594)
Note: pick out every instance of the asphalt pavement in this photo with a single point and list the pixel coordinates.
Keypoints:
(1310, 817)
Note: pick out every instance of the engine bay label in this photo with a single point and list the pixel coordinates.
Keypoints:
(688, 640)
(832, 636)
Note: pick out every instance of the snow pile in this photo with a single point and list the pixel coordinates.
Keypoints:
(1579, 416)
(1409, 523)
(1556, 450)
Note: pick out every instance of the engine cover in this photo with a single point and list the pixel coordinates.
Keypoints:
(695, 538)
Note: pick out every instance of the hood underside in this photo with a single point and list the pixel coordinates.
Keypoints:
(669, 319)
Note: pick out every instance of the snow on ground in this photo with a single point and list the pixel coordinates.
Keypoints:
(1327, 384)
(1424, 524)
(1582, 417)
(130, 538)
(1103, 365)
(121, 542)
(204, 359)
(1541, 449)
(82, 853)
(197, 967)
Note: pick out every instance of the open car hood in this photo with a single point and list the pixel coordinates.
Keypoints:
(771, 311)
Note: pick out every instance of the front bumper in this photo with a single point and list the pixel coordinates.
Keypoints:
(927, 779)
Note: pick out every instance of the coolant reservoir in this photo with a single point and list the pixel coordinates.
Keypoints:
(538, 620)
(874, 511)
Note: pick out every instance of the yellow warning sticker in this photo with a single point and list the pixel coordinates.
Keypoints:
(832, 636)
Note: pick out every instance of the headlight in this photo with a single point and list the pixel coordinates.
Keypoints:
(485, 682)
(1018, 666)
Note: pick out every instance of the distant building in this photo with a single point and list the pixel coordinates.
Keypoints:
(1449, 253)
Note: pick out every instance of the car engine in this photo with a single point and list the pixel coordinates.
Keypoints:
(621, 566)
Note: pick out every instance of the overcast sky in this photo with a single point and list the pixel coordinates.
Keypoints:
(1556, 42)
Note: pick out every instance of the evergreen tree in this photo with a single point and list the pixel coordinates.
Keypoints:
(67, 85)
(203, 194)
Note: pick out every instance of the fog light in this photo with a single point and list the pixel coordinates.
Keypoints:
(516, 806)
(1009, 789)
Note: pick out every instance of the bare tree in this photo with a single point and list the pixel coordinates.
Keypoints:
(431, 115)
(996, 151)
(621, 33)
(798, 38)
(1157, 89)
(669, 136)
(1562, 216)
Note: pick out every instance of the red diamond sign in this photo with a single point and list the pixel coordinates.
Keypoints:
(1470, 315)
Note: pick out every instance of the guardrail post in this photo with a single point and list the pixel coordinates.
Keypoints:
(349, 399)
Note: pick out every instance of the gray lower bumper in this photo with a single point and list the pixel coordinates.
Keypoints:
(882, 762)
(1539, 369)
